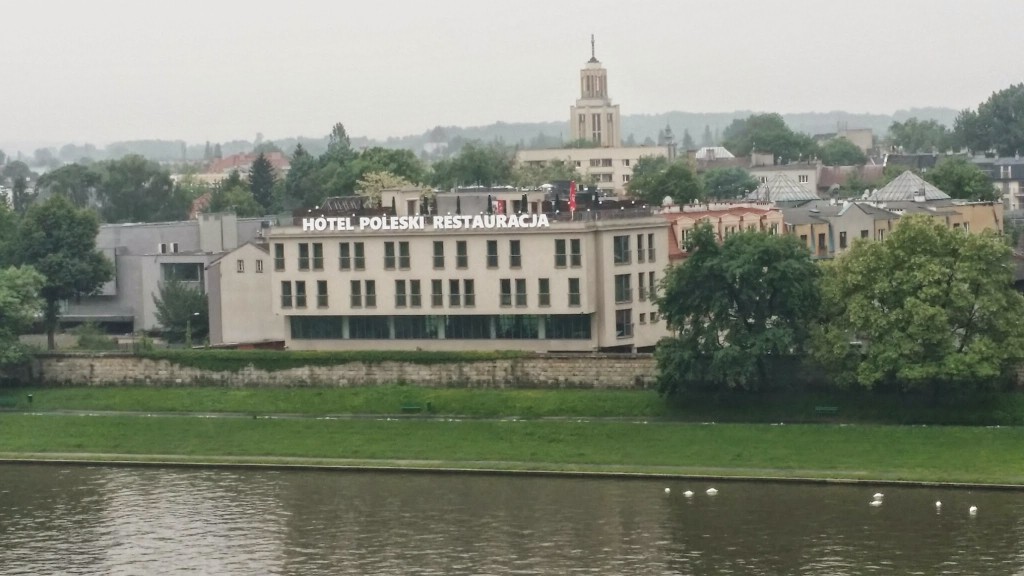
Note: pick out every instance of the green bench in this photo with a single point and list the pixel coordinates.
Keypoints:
(415, 408)
(826, 410)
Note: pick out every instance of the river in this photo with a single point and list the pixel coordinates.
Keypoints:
(128, 520)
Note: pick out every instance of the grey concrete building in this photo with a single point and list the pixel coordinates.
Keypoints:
(144, 255)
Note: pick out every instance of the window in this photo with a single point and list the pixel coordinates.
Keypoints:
(575, 253)
(259, 266)
(492, 253)
(574, 291)
(821, 241)
(461, 254)
(515, 257)
(415, 299)
(802, 178)
(567, 327)
(517, 327)
(595, 162)
(626, 178)
(182, 272)
(316, 327)
(543, 292)
(625, 161)
(300, 294)
(468, 293)
(168, 247)
(803, 239)
(622, 288)
(654, 317)
(643, 318)
(286, 294)
(304, 256)
(403, 255)
(278, 257)
(371, 294)
(368, 327)
(321, 293)
(400, 296)
(763, 179)
(360, 258)
(241, 266)
(651, 287)
(650, 248)
(506, 292)
(864, 233)
(520, 292)
(389, 255)
(641, 287)
(624, 323)
(881, 234)
(842, 240)
(454, 298)
(640, 248)
(438, 254)
(436, 294)
(318, 256)
(344, 256)
(357, 293)
(559, 253)
(620, 247)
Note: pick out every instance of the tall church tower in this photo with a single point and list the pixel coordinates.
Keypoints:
(594, 117)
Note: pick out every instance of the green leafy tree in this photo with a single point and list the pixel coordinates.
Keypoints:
(17, 169)
(134, 189)
(842, 152)
(484, 165)
(21, 196)
(915, 135)
(768, 133)
(75, 182)
(233, 195)
(676, 180)
(374, 183)
(734, 182)
(531, 175)
(182, 311)
(401, 163)
(736, 310)
(59, 241)
(19, 306)
(707, 139)
(929, 308)
(998, 124)
(301, 187)
(688, 143)
(962, 179)
(261, 182)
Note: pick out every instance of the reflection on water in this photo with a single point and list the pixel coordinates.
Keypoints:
(89, 520)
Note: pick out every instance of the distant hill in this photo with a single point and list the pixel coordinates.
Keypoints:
(443, 140)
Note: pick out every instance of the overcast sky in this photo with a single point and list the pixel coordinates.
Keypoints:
(99, 70)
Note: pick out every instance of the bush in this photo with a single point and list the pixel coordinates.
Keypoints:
(274, 360)
(92, 337)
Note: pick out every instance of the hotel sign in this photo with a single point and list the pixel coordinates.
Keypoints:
(482, 222)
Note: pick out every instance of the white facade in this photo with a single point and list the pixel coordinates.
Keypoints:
(580, 285)
(610, 168)
(240, 298)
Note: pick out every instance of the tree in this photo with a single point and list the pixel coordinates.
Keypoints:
(929, 308)
(374, 183)
(734, 182)
(75, 182)
(768, 133)
(301, 188)
(661, 178)
(961, 179)
(17, 169)
(998, 124)
(134, 189)
(233, 195)
(59, 241)
(182, 311)
(21, 196)
(688, 143)
(533, 175)
(401, 163)
(737, 310)
(914, 136)
(3, 158)
(707, 139)
(261, 182)
(19, 306)
(484, 165)
(842, 152)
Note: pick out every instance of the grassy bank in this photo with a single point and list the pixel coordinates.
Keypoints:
(942, 454)
(1005, 409)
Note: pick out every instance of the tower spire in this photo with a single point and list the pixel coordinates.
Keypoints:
(593, 56)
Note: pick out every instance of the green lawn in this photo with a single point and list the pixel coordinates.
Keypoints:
(953, 454)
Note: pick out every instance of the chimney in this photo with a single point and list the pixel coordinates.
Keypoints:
(919, 195)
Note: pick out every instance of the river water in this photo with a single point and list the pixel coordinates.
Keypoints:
(111, 520)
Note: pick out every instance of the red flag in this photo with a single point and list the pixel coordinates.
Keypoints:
(572, 196)
(501, 207)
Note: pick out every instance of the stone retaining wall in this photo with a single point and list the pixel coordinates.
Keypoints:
(541, 371)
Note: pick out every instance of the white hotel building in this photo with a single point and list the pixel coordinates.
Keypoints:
(584, 284)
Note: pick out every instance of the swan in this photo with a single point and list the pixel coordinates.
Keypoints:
(875, 503)
(973, 510)
(668, 490)
(688, 493)
(712, 492)
(938, 504)
(878, 496)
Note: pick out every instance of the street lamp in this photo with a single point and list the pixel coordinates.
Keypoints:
(188, 330)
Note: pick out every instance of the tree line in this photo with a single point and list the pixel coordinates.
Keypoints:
(930, 309)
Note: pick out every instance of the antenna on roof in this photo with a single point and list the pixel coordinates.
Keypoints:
(592, 46)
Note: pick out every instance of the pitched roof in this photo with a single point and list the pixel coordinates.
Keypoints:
(712, 153)
(904, 187)
(781, 188)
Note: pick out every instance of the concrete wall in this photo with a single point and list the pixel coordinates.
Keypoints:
(542, 371)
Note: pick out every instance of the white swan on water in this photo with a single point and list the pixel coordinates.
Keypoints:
(668, 490)
(688, 493)
(973, 510)
(875, 503)
(878, 496)
(712, 492)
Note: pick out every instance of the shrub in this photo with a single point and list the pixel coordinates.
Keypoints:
(91, 337)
